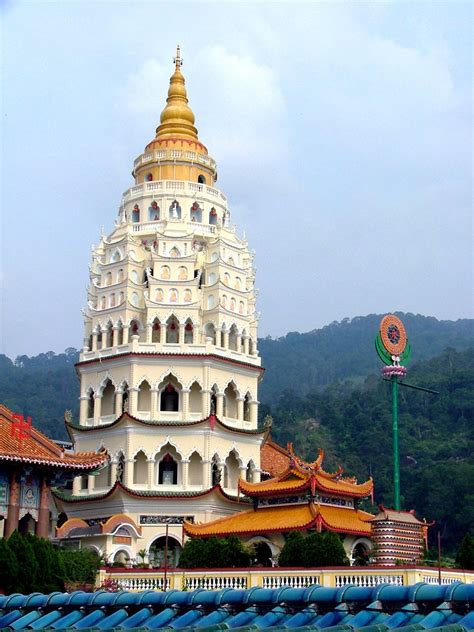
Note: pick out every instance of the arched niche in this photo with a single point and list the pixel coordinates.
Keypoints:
(108, 398)
(232, 471)
(195, 398)
(195, 469)
(140, 469)
(144, 397)
(230, 401)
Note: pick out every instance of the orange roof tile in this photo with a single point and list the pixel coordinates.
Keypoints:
(274, 459)
(285, 518)
(32, 446)
(294, 480)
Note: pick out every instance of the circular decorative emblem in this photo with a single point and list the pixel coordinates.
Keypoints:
(393, 334)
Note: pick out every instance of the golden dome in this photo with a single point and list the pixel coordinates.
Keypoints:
(177, 117)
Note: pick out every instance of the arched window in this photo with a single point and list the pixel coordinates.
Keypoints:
(173, 296)
(224, 300)
(241, 307)
(232, 305)
(227, 278)
(108, 397)
(195, 469)
(214, 256)
(112, 300)
(162, 547)
(124, 397)
(134, 328)
(120, 467)
(230, 401)
(159, 295)
(213, 216)
(156, 330)
(187, 296)
(154, 212)
(134, 299)
(90, 404)
(232, 471)
(149, 177)
(116, 256)
(103, 303)
(233, 337)
(201, 179)
(182, 273)
(168, 471)
(108, 278)
(174, 252)
(172, 330)
(120, 333)
(213, 402)
(247, 407)
(210, 301)
(188, 332)
(109, 333)
(120, 276)
(196, 212)
(238, 283)
(136, 213)
(216, 472)
(210, 332)
(212, 278)
(195, 398)
(175, 210)
(134, 276)
(99, 337)
(121, 298)
(144, 397)
(140, 469)
(249, 472)
(169, 401)
(165, 272)
(231, 261)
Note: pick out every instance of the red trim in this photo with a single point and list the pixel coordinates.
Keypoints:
(135, 354)
(212, 419)
(119, 486)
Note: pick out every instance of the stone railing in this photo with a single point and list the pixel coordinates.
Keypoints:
(216, 579)
(172, 186)
(173, 154)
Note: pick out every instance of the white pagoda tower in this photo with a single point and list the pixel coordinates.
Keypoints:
(169, 370)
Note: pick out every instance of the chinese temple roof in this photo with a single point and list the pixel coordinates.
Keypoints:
(285, 518)
(21, 443)
(274, 459)
(394, 515)
(300, 476)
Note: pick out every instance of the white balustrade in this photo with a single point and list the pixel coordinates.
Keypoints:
(215, 582)
(293, 581)
(368, 580)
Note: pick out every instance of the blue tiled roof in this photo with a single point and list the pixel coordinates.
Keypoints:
(347, 609)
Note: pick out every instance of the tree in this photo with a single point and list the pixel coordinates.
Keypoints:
(465, 556)
(214, 553)
(293, 552)
(27, 564)
(9, 568)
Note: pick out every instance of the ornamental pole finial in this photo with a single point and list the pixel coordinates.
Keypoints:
(178, 62)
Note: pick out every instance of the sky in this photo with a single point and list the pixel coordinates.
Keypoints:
(342, 133)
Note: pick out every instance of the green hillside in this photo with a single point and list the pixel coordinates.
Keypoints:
(323, 389)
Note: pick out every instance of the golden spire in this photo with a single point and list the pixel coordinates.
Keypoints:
(177, 118)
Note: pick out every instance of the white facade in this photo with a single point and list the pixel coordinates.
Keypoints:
(169, 370)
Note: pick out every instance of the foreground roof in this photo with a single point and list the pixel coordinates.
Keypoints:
(285, 518)
(21, 443)
(382, 608)
(300, 476)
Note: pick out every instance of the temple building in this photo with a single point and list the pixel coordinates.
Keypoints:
(30, 464)
(302, 497)
(169, 370)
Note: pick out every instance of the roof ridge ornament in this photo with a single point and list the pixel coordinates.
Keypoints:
(178, 62)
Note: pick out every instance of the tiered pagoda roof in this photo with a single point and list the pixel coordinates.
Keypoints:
(300, 476)
(21, 443)
(296, 491)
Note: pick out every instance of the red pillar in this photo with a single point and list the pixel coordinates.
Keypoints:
(42, 525)
(13, 511)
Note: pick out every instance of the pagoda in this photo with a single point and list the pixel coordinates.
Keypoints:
(299, 496)
(169, 369)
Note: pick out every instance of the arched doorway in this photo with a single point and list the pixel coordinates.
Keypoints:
(263, 554)
(360, 554)
(160, 547)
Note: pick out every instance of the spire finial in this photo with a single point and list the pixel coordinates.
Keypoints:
(178, 62)
(177, 118)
